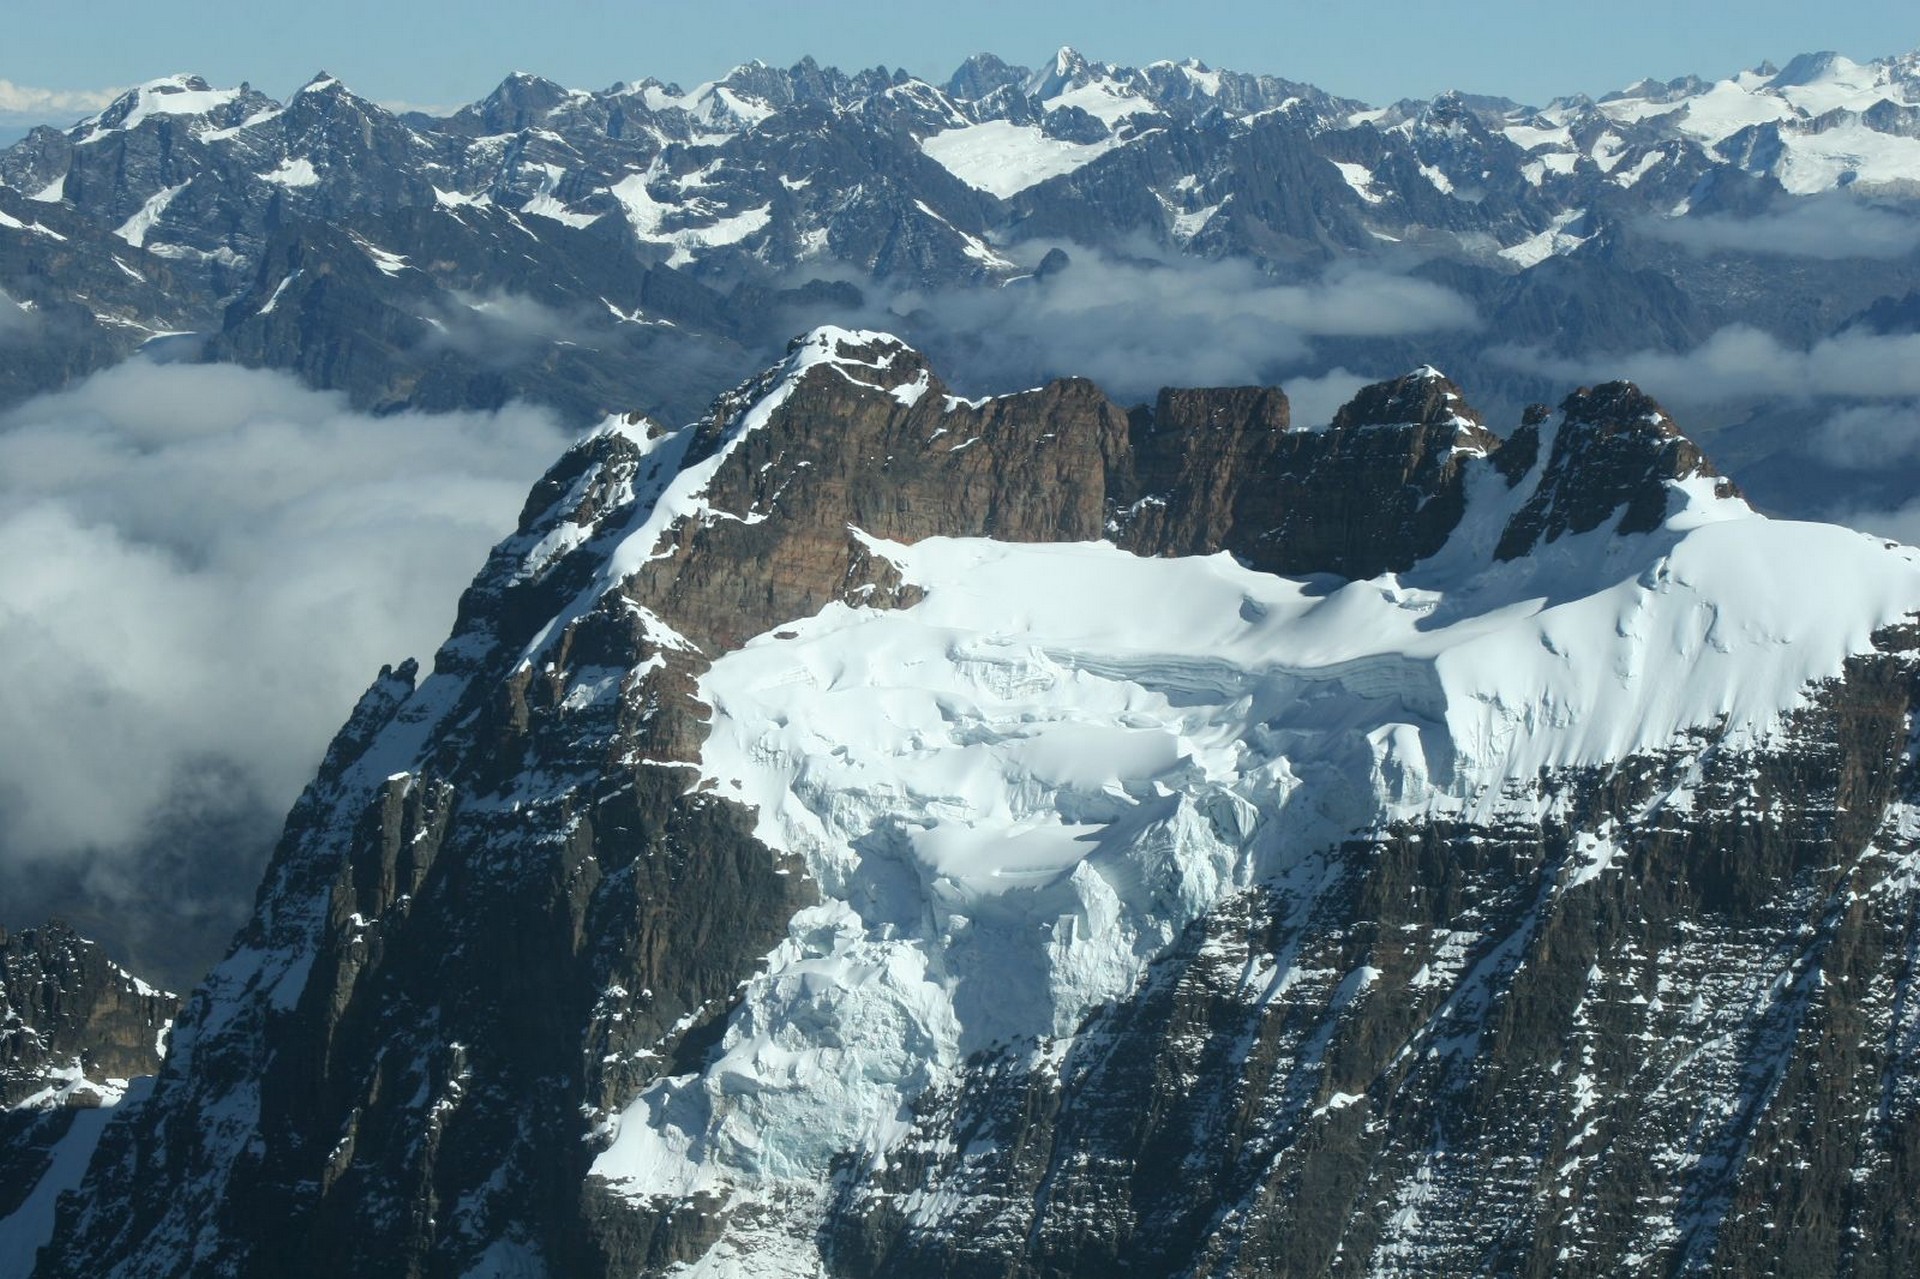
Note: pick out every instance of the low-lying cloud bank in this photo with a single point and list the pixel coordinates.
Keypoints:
(1825, 227)
(200, 569)
(1134, 324)
(1862, 436)
(1740, 364)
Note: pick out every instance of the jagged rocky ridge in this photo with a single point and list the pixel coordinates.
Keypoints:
(76, 1032)
(202, 173)
(869, 832)
(70, 1013)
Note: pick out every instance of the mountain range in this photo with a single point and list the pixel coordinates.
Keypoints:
(645, 245)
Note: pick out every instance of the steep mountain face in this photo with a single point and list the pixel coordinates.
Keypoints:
(873, 832)
(75, 1031)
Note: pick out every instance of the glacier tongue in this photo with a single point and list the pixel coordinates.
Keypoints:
(1018, 792)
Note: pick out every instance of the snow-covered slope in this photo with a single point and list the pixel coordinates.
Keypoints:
(1823, 122)
(1018, 793)
(870, 831)
(1075, 111)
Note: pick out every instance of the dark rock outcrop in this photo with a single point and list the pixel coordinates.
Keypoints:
(1613, 451)
(64, 1006)
(1377, 491)
(75, 1028)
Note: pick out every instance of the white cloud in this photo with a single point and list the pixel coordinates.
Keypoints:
(505, 329)
(200, 569)
(14, 318)
(1899, 524)
(1314, 400)
(1830, 227)
(1135, 324)
(25, 104)
(1740, 364)
(1866, 436)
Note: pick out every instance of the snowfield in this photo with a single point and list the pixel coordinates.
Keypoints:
(1004, 159)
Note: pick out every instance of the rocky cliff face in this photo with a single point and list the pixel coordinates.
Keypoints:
(75, 298)
(870, 832)
(65, 1007)
(75, 1031)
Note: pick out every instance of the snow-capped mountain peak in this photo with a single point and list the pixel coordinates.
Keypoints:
(186, 97)
(1807, 124)
(857, 764)
(1489, 182)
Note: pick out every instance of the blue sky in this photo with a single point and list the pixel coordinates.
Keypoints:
(436, 52)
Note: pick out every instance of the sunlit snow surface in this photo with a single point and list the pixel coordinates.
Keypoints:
(1818, 102)
(169, 95)
(1018, 791)
(1003, 158)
